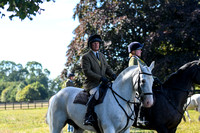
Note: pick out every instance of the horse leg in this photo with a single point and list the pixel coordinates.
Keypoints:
(127, 130)
(57, 119)
(187, 113)
(108, 129)
(79, 130)
(162, 129)
(172, 130)
(184, 118)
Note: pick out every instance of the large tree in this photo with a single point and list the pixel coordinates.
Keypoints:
(168, 28)
(21, 8)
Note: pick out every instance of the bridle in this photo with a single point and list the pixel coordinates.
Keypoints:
(128, 102)
(139, 87)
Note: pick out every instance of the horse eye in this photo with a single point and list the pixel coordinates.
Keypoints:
(143, 81)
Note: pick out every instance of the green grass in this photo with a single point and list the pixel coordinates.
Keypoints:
(23, 121)
(33, 121)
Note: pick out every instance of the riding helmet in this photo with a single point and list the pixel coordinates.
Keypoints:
(134, 46)
(70, 75)
(94, 38)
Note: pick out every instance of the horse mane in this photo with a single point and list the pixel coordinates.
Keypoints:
(174, 75)
(126, 71)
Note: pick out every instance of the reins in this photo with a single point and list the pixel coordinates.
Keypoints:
(128, 102)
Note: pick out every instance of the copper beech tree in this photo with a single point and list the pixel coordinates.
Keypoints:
(168, 28)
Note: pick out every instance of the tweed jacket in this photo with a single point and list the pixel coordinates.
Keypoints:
(94, 69)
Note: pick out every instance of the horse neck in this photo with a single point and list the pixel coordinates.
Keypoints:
(179, 82)
(177, 89)
(177, 97)
(124, 88)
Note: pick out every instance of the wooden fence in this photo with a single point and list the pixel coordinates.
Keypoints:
(24, 105)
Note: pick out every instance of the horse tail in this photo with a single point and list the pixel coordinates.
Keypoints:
(49, 112)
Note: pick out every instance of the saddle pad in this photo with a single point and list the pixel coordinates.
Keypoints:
(82, 97)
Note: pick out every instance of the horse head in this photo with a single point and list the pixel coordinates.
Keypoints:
(145, 83)
(196, 78)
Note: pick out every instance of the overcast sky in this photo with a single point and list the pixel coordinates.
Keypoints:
(44, 39)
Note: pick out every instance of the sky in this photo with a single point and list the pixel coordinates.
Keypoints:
(44, 39)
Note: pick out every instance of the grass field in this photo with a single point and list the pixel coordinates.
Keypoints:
(33, 121)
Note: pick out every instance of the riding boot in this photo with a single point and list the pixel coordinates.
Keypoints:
(89, 118)
(141, 120)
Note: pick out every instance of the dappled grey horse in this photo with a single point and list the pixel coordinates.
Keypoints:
(115, 114)
(193, 103)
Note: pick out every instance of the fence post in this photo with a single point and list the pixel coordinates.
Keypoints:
(20, 105)
(13, 106)
(28, 104)
(35, 104)
(5, 106)
(42, 104)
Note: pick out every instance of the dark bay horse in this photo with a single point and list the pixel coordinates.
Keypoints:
(166, 113)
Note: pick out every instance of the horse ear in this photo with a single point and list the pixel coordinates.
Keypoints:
(139, 66)
(152, 65)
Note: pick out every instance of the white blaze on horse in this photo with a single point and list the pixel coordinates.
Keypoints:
(116, 112)
(193, 103)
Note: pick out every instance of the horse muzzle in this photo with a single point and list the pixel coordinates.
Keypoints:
(147, 100)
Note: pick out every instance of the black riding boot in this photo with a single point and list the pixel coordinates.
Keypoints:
(141, 120)
(89, 118)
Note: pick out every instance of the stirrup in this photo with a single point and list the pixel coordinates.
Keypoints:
(89, 121)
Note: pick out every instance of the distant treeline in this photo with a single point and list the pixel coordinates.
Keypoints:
(18, 83)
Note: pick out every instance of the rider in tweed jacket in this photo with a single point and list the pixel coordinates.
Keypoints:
(95, 68)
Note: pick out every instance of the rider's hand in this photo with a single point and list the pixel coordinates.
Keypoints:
(114, 76)
(104, 80)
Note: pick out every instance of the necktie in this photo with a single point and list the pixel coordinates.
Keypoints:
(97, 55)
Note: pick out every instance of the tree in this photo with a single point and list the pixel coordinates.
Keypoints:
(169, 29)
(36, 73)
(14, 77)
(176, 40)
(9, 93)
(10, 71)
(54, 86)
(33, 71)
(34, 91)
(22, 8)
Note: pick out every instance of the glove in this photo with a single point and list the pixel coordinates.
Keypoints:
(114, 76)
(104, 80)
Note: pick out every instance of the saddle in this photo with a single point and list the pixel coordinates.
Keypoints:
(83, 97)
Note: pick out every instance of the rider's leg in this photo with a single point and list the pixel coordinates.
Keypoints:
(89, 119)
(141, 120)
